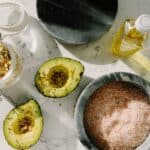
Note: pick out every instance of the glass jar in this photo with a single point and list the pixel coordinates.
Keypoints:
(14, 70)
(13, 20)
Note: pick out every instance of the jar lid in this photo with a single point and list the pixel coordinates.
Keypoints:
(13, 18)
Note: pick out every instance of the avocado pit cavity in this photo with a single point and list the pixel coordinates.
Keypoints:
(58, 76)
(23, 125)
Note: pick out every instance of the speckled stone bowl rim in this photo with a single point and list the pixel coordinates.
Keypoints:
(88, 91)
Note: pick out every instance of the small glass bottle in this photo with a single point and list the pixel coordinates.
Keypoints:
(132, 46)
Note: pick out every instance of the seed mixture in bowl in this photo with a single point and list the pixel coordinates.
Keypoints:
(5, 60)
(117, 116)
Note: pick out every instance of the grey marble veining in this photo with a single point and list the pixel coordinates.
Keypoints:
(59, 131)
(35, 45)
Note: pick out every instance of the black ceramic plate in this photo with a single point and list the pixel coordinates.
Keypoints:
(77, 21)
(88, 91)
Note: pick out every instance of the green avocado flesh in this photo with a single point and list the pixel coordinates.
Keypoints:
(58, 77)
(23, 125)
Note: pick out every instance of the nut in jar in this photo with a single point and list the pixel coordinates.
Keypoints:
(5, 60)
(10, 65)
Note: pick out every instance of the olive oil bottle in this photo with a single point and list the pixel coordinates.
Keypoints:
(130, 46)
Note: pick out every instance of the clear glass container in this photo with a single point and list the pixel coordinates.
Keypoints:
(14, 19)
(15, 68)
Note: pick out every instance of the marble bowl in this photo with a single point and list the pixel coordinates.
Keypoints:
(87, 92)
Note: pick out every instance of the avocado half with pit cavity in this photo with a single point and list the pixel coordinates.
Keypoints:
(23, 125)
(58, 77)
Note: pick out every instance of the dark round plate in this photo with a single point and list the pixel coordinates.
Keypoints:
(77, 21)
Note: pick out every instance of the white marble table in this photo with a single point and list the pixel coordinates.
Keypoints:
(35, 46)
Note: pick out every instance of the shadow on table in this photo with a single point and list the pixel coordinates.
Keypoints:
(93, 53)
(59, 128)
(96, 52)
(35, 46)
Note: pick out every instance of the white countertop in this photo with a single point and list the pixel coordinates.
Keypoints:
(35, 46)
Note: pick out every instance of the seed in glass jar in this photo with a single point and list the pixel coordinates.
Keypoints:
(5, 60)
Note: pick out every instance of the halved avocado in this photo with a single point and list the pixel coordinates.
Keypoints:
(23, 125)
(58, 77)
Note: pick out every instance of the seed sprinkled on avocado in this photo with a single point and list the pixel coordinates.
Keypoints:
(23, 125)
(58, 77)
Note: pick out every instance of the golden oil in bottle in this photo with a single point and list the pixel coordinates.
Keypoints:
(127, 43)
(130, 46)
